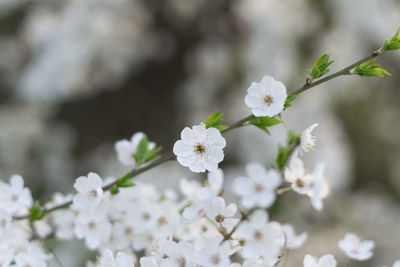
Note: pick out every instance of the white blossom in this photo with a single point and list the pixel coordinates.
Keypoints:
(126, 149)
(395, 264)
(213, 254)
(293, 241)
(308, 141)
(14, 197)
(64, 222)
(5, 223)
(320, 187)
(266, 98)
(90, 192)
(325, 261)
(200, 149)
(32, 255)
(262, 239)
(6, 255)
(258, 189)
(122, 260)
(295, 173)
(223, 214)
(356, 249)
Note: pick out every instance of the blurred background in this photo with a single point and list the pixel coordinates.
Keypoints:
(77, 75)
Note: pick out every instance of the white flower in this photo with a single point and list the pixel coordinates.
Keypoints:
(262, 239)
(293, 241)
(213, 254)
(223, 214)
(107, 260)
(15, 197)
(266, 98)
(215, 180)
(325, 261)
(200, 149)
(307, 141)
(257, 190)
(90, 192)
(5, 223)
(148, 262)
(127, 149)
(94, 227)
(6, 255)
(64, 222)
(355, 248)
(395, 264)
(33, 255)
(320, 187)
(295, 173)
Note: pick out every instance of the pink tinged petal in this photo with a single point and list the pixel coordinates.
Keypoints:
(182, 149)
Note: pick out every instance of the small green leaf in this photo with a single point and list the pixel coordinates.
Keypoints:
(215, 120)
(282, 157)
(36, 213)
(264, 122)
(141, 149)
(287, 104)
(126, 184)
(394, 43)
(293, 138)
(221, 128)
(320, 67)
(369, 70)
(114, 190)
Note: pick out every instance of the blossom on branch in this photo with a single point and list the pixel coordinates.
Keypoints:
(200, 149)
(356, 249)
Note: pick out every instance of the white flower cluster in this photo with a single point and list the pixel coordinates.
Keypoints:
(205, 227)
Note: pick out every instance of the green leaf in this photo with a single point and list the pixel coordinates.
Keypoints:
(394, 43)
(264, 122)
(114, 190)
(282, 157)
(141, 149)
(221, 128)
(369, 70)
(126, 184)
(287, 104)
(320, 67)
(215, 120)
(36, 213)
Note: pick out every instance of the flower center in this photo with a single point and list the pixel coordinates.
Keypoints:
(258, 187)
(199, 149)
(92, 194)
(268, 100)
(215, 259)
(300, 182)
(92, 225)
(258, 235)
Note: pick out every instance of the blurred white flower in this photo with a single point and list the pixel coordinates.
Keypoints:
(200, 149)
(258, 189)
(213, 254)
(213, 187)
(5, 223)
(395, 264)
(308, 141)
(355, 248)
(14, 197)
(6, 255)
(266, 98)
(222, 214)
(295, 173)
(107, 260)
(90, 192)
(320, 188)
(94, 227)
(126, 149)
(64, 222)
(262, 239)
(32, 255)
(325, 261)
(293, 241)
